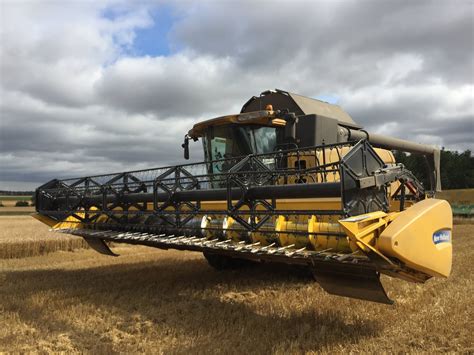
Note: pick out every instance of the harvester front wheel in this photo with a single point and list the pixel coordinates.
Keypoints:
(223, 262)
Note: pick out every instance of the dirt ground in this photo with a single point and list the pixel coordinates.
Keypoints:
(156, 301)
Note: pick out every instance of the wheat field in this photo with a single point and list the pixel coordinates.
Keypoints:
(157, 301)
(23, 236)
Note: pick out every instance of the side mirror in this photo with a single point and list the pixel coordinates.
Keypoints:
(185, 146)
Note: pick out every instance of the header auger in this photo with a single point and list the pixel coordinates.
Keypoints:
(289, 179)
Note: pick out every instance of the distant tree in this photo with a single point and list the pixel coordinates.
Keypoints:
(16, 193)
(457, 169)
(22, 204)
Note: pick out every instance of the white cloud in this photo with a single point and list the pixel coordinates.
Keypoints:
(76, 100)
(166, 86)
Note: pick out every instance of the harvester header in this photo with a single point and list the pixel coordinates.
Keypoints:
(288, 179)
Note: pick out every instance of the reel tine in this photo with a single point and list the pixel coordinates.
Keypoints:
(297, 251)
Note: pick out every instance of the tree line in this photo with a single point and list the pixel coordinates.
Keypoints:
(16, 193)
(457, 169)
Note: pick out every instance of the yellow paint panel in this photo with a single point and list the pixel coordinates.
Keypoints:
(264, 117)
(421, 237)
(283, 204)
(69, 223)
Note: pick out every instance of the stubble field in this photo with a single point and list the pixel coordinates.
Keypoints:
(8, 206)
(68, 298)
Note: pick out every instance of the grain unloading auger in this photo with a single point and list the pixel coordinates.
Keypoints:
(297, 182)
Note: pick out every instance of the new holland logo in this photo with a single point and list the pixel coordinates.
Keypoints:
(442, 236)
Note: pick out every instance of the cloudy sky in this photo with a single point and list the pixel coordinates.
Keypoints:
(88, 87)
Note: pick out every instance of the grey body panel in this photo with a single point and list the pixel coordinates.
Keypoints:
(314, 130)
(300, 105)
(351, 281)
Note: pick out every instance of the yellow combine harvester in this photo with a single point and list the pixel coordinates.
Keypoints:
(289, 179)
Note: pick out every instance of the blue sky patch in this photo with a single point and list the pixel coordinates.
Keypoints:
(328, 98)
(153, 41)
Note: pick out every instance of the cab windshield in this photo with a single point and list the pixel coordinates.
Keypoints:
(222, 142)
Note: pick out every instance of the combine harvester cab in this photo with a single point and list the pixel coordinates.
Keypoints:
(297, 182)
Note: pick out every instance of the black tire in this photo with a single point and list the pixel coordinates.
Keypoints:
(223, 262)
